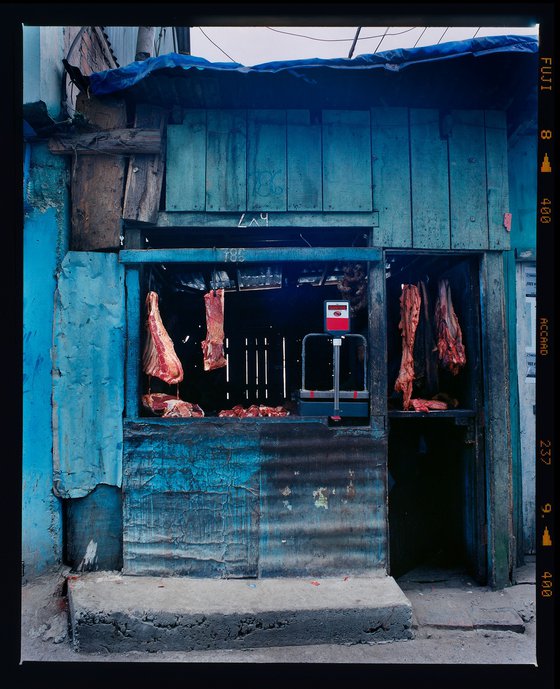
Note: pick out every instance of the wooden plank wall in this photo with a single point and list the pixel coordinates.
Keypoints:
(437, 179)
(97, 182)
(346, 161)
(266, 160)
(467, 181)
(391, 176)
(305, 178)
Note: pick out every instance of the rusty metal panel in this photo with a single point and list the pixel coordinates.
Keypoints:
(88, 373)
(250, 498)
(323, 505)
(190, 499)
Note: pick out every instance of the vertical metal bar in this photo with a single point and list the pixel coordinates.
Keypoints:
(337, 341)
(133, 315)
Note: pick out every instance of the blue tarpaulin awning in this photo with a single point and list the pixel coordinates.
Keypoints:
(113, 80)
(496, 72)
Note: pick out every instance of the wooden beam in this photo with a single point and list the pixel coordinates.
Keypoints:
(114, 141)
(250, 255)
(232, 221)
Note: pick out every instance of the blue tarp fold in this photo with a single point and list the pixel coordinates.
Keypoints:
(114, 80)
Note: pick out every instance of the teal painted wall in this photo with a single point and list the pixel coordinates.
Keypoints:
(45, 240)
(522, 157)
(431, 191)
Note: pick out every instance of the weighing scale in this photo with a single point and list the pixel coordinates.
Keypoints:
(335, 403)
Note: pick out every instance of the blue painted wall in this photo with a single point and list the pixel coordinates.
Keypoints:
(45, 240)
(43, 51)
(88, 373)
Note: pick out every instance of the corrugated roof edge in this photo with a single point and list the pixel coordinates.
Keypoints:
(115, 80)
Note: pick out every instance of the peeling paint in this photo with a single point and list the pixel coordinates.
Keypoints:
(88, 388)
(89, 560)
(287, 504)
(321, 497)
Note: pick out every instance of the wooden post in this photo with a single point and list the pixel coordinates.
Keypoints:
(145, 171)
(497, 421)
(97, 182)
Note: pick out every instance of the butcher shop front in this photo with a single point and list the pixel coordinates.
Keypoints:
(311, 279)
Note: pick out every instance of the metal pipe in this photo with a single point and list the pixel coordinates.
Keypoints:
(337, 341)
(145, 42)
(354, 41)
(183, 39)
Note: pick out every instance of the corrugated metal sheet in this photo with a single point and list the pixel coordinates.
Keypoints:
(230, 498)
(88, 373)
(191, 497)
(322, 501)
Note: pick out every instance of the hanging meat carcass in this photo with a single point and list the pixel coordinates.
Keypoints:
(213, 345)
(425, 351)
(410, 313)
(159, 358)
(449, 336)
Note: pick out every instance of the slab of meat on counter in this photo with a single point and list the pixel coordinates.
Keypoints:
(410, 313)
(168, 406)
(419, 404)
(159, 358)
(449, 336)
(254, 410)
(213, 345)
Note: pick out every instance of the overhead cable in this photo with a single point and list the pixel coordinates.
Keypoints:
(381, 41)
(217, 46)
(442, 35)
(338, 40)
(419, 37)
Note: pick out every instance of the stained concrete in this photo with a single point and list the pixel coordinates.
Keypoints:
(110, 612)
(44, 598)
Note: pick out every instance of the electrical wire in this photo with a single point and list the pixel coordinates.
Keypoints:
(217, 46)
(477, 31)
(442, 35)
(419, 37)
(381, 41)
(338, 40)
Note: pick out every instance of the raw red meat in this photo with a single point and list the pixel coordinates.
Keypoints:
(159, 358)
(213, 345)
(449, 336)
(410, 313)
(169, 406)
(253, 411)
(425, 405)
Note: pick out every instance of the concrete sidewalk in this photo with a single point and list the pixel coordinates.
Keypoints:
(453, 621)
(115, 613)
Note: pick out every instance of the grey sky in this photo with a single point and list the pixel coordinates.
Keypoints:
(255, 45)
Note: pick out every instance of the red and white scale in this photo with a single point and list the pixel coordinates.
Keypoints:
(355, 403)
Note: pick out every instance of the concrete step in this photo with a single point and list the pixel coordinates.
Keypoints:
(110, 612)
